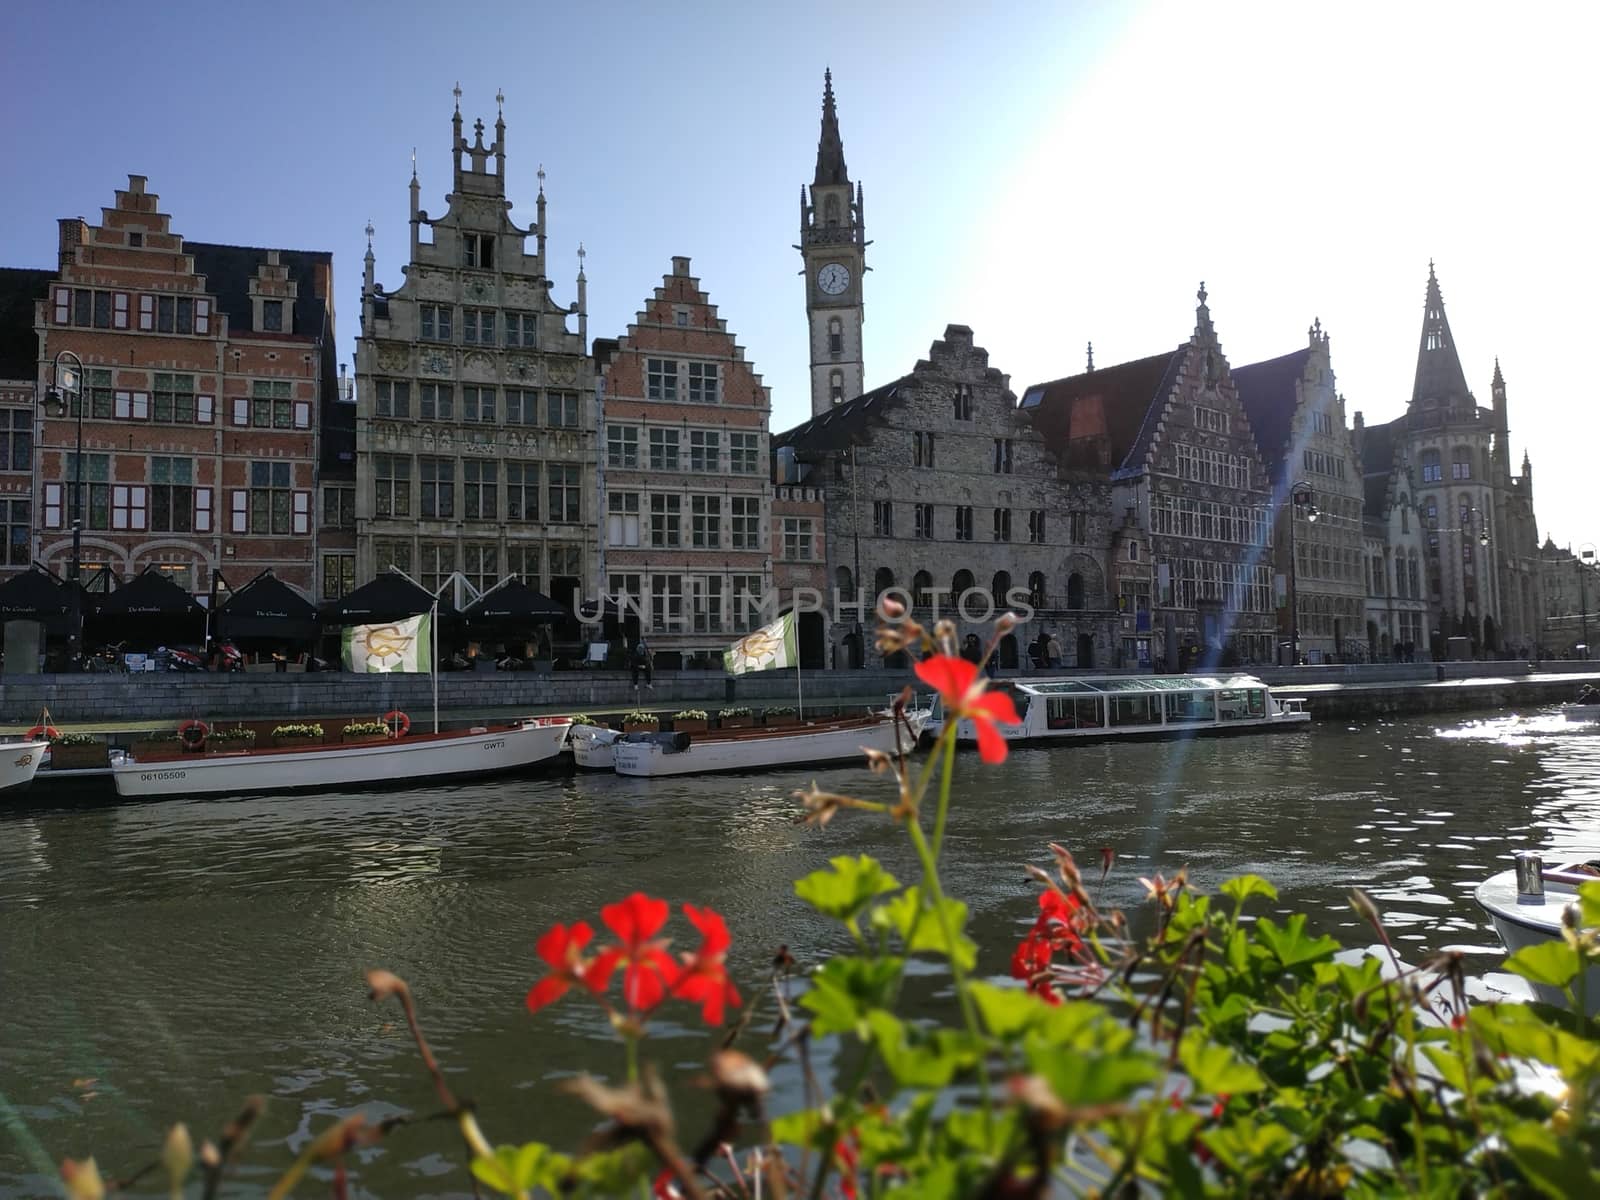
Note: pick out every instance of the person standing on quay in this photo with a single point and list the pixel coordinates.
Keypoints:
(643, 661)
(1052, 653)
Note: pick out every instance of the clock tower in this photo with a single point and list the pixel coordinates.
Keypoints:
(834, 248)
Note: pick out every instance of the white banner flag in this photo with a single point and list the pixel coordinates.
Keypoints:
(405, 645)
(767, 649)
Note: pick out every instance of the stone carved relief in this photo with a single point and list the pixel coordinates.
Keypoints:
(393, 358)
(480, 363)
(436, 363)
(524, 370)
(562, 372)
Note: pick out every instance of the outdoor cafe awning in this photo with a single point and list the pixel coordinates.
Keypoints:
(266, 607)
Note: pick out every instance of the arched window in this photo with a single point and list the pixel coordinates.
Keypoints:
(1074, 591)
(835, 336)
(1036, 589)
(922, 589)
(960, 583)
(836, 387)
(881, 583)
(998, 587)
(1461, 463)
(845, 583)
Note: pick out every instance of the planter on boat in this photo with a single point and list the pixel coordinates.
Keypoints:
(690, 725)
(361, 739)
(777, 721)
(145, 751)
(736, 722)
(298, 741)
(78, 758)
(641, 727)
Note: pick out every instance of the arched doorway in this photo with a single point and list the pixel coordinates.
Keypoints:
(999, 586)
(811, 639)
(1008, 652)
(922, 589)
(852, 651)
(881, 583)
(1075, 591)
(960, 583)
(1085, 650)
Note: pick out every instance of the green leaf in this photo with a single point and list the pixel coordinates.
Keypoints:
(1556, 1166)
(1553, 963)
(1290, 944)
(846, 887)
(613, 1172)
(1214, 1070)
(919, 1059)
(929, 932)
(1241, 887)
(1088, 1078)
(1520, 1031)
(1009, 1012)
(846, 989)
(803, 1128)
(1242, 1144)
(517, 1169)
(1589, 903)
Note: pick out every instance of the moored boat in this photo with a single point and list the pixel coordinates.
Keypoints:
(1527, 904)
(591, 746)
(1581, 712)
(1097, 707)
(19, 763)
(418, 758)
(757, 748)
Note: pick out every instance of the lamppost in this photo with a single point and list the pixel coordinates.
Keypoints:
(1585, 552)
(66, 393)
(1302, 499)
(1471, 519)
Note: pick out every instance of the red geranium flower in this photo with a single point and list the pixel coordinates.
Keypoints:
(704, 979)
(964, 693)
(562, 948)
(650, 971)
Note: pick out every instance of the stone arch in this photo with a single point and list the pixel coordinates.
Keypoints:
(1036, 589)
(999, 586)
(882, 581)
(844, 581)
(1007, 652)
(961, 581)
(922, 589)
(1092, 577)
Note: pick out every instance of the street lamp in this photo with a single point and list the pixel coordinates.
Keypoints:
(66, 393)
(1302, 498)
(1585, 552)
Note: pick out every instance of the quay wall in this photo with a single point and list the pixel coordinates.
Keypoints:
(160, 699)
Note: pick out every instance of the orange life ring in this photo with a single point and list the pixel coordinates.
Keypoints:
(399, 724)
(48, 732)
(193, 734)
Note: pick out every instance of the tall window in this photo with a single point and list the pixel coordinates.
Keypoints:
(743, 449)
(522, 491)
(522, 406)
(622, 519)
(98, 382)
(1461, 463)
(271, 501)
(272, 316)
(16, 516)
(1002, 524)
(660, 379)
(565, 492)
(480, 563)
(797, 539)
(16, 439)
(477, 251)
(272, 404)
(480, 489)
(745, 522)
(1432, 468)
(436, 402)
(392, 475)
(477, 326)
(883, 518)
(963, 522)
(921, 449)
(477, 404)
(438, 476)
(338, 575)
(705, 519)
(663, 449)
(836, 387)
(1002, 456)
(172, 495)
(438, 564)
(835, 336)
(1078, 528)
(394, 398)
(963, 402)
(562, 409)
(96, 489)
(521, 329)
(666, 601)
(703, 379)
(924, 514)
(665, 517)
(435, 322)
(338, 508)
(395, 554)
(173, 398)
(1036, 526)
(705, 450)
(622, 446)
(706, 600)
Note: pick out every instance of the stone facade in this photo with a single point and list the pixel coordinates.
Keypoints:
(1399, 617)
(833, 245)
(205, 370)
(687, 475)
(1298, 418)
(1171, 437)
(940, 490)
(20, 290)
(800, 562)
(1570, 590)
(475, 435)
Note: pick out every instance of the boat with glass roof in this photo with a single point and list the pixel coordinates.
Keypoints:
(1101, 707)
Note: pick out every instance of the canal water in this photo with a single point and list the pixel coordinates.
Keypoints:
(161, 960)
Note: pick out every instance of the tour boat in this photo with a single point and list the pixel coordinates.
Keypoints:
(19, 763)
(757, 748)
(417, 758)
(591, 746)
(1136, 706)
(1526, 905)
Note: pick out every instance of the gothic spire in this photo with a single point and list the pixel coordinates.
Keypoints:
(1439, 373)
(830, 147)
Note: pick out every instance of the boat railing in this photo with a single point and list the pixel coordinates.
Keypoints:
(1291, 704)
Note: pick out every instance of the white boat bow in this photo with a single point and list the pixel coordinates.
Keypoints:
(1524, 917)
(19, 763)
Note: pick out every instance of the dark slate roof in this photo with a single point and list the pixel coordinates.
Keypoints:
(1267, 391)
(843, 424)
(19, 345)
(1439, 373)
(1377, 464)
(1105, 418)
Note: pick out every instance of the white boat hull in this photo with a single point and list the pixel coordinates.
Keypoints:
(19, 763)
(1581, 712)
(967, 733)
(760, 749)
(592, 747)
(419, 759)
(1523, 921)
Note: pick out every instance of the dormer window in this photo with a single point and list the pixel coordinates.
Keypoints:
(478, 251)
(272, 316)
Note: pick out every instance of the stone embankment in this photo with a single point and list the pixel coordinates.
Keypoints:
(151, 700)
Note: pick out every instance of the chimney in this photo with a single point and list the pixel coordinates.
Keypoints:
(74, 231)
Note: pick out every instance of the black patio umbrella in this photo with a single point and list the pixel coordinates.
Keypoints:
(35, 595)
(389, 597)
(513, 602)
(266, 607)
(148, 609)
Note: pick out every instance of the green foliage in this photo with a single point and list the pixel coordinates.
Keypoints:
(74, 739)
(161, 736)
(690, 714)
(238, 734)
(365, 729)
(517, 1169)
(298, 731)
(846, 887)
(581, 719)
(637, 717)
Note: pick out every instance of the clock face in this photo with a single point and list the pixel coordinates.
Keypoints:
(833, 278)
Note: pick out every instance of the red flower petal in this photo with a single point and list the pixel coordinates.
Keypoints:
(713, 930)
(635, 919)
(548, 990)
(991, 746)
(951, 677)
(598, 976)
(559, 941)
(998, 706)
(642, 987)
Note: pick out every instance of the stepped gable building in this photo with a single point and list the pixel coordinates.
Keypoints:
(1485, 592)
(1570, 584)
(942, 492)
(1171, 437)
(206, 368)
(687, 478)
(833, 247)
(475, 443)
(1398, 615)
(20, 289)
(1298, 420)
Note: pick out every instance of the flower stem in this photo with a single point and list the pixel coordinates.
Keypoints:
(949, 739)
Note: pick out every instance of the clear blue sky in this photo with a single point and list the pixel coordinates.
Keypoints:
(1049, 174)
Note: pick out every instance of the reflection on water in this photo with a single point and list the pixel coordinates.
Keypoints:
(179, 955)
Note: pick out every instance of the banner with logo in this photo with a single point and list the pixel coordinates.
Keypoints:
(405, 645)
(767, 649)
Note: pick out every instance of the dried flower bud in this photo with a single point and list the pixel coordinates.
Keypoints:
(1107, 857)
(1005, 623)
(890, 609)
(879, 762)
(383, 984)
(944, 634)
(177, 1154)
(1571, 917)
(1068, 868)
(783, 960)
(210, 1156)
(1036, 1098)
(1365, 908)
(82, 1179)
(738, 1076)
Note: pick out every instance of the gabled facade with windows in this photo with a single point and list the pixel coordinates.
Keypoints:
(20, 290)
(942, 493)
(1173, 440)
(686, 475)
(1297, 416)
(205, 369)
(475, 444)
(1394, 539)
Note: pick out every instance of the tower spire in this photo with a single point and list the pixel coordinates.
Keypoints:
(1439, 373)
(830, 146)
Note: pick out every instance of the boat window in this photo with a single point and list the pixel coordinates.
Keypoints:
(1233, 704)
(1135, 710)
(1190, 707)
(1066, 712)
(1258, 702)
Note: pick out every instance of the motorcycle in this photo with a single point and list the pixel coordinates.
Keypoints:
(174, 658)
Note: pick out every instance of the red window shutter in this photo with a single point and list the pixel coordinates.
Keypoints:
(302, 512)
(147, 313)
(119, 310)
(205, 409)
(123, 408)
(240, 501)
(62, 299)
(202, 510)
(302, 414)
(202, 316)
(241, 410)
(52, 506)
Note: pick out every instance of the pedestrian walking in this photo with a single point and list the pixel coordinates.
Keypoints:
(1052, 653)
